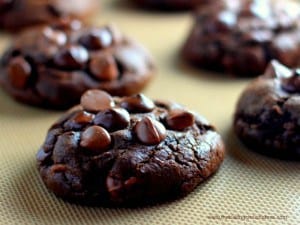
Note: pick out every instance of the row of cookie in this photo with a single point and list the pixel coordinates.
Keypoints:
(18, 14)
(52, 65)
(132, 150)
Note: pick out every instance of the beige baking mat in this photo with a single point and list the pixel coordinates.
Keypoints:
(248, 189)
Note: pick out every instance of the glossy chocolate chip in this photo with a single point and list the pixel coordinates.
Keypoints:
(113, 119)
(96, 139)
(150, 131)
(104, 67)
(179, 119)
(71, 57)
(277, 70)
(79, 120)
(137, 104)
(19, 71)
(96, 39)
(55, 36)
(292, 84)
(96, 100)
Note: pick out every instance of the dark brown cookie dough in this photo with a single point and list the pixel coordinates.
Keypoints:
(17, 14)
(171, 4)
(267, 117)
(128, 151)
(242, 36)
(51, 66)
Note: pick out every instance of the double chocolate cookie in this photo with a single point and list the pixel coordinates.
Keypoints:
(242, 36)
(17, 14)
(267, 117)
(170, 4)
(127, 151)
(51, 66)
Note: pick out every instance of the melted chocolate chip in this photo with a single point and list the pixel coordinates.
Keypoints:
(79, 120)
(96, 100)
(113, 119)
(71, 57)
(19, 71)
(96, 139)
(137, 104)
(96, 39)
(179, 119)
(150, 131)
(104, 68)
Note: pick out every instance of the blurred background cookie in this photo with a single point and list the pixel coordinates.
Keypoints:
(51, 66)
(240, 37)
(17, 14)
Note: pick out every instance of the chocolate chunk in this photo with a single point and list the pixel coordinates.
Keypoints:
(113, 119)
(150, 131)
(19, 71)
(79, 120)
(137, 104)
(179, 119)
(96, 139)
(96, 100)
(104, 67)
(96, 39)
(292, 84)
(71, 57)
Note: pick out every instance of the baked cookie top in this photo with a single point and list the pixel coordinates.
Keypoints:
(128, 150)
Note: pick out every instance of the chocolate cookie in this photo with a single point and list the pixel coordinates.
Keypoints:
(267, 117)
(242, 36)
(51, 66)
(127, 151)
(17, 14)
(170, 4)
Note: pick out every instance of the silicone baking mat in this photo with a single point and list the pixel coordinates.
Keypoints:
(248, 189)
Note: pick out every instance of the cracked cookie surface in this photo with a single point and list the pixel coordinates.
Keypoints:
(51, 66)
(267, 117)
(128, 151)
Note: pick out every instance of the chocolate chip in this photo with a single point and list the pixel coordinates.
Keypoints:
(58, 168)
(137, 104)
(292, 84)
(95, 139)
(96, 39)
(150, 131)
(104, 68)
(113, 119)
(276, 69)
(179, 119)
(55, 36)
(79, 120)
(96, 100)
(19, 71)
(71, 57)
